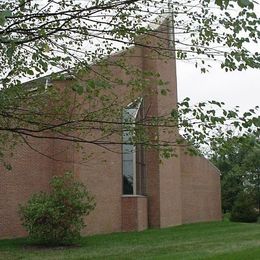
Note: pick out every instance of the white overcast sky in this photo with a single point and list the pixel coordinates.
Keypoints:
(233, 88)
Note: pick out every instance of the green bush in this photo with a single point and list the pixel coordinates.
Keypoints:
(56, 218)
(243, 209)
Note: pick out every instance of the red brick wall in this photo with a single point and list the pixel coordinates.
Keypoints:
(31, 173)
(200, 190)
(103, 176)
(134, 213)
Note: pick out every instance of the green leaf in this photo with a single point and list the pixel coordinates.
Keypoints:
(30, 72)
(91, 84)
(164, 92)
(10, 51)
(222, 3)
(218, 2)
(244, 3)
(78, 88)
(3, 15)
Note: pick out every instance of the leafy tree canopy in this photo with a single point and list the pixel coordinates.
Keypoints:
(40, 37)
(238, 159)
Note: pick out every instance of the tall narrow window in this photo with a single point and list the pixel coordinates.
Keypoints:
(133, 155)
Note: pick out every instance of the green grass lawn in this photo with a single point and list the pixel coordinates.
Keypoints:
(217, 240)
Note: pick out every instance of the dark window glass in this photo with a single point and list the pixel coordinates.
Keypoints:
(133, 155)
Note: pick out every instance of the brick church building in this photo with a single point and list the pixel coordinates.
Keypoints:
(133, 190)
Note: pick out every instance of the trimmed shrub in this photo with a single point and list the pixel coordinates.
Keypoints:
(243, 209)
(56, 218)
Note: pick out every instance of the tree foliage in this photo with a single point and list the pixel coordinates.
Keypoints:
(243, 209)
(238, 159)
(37, 35)
(42, 37)
(57, 218)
